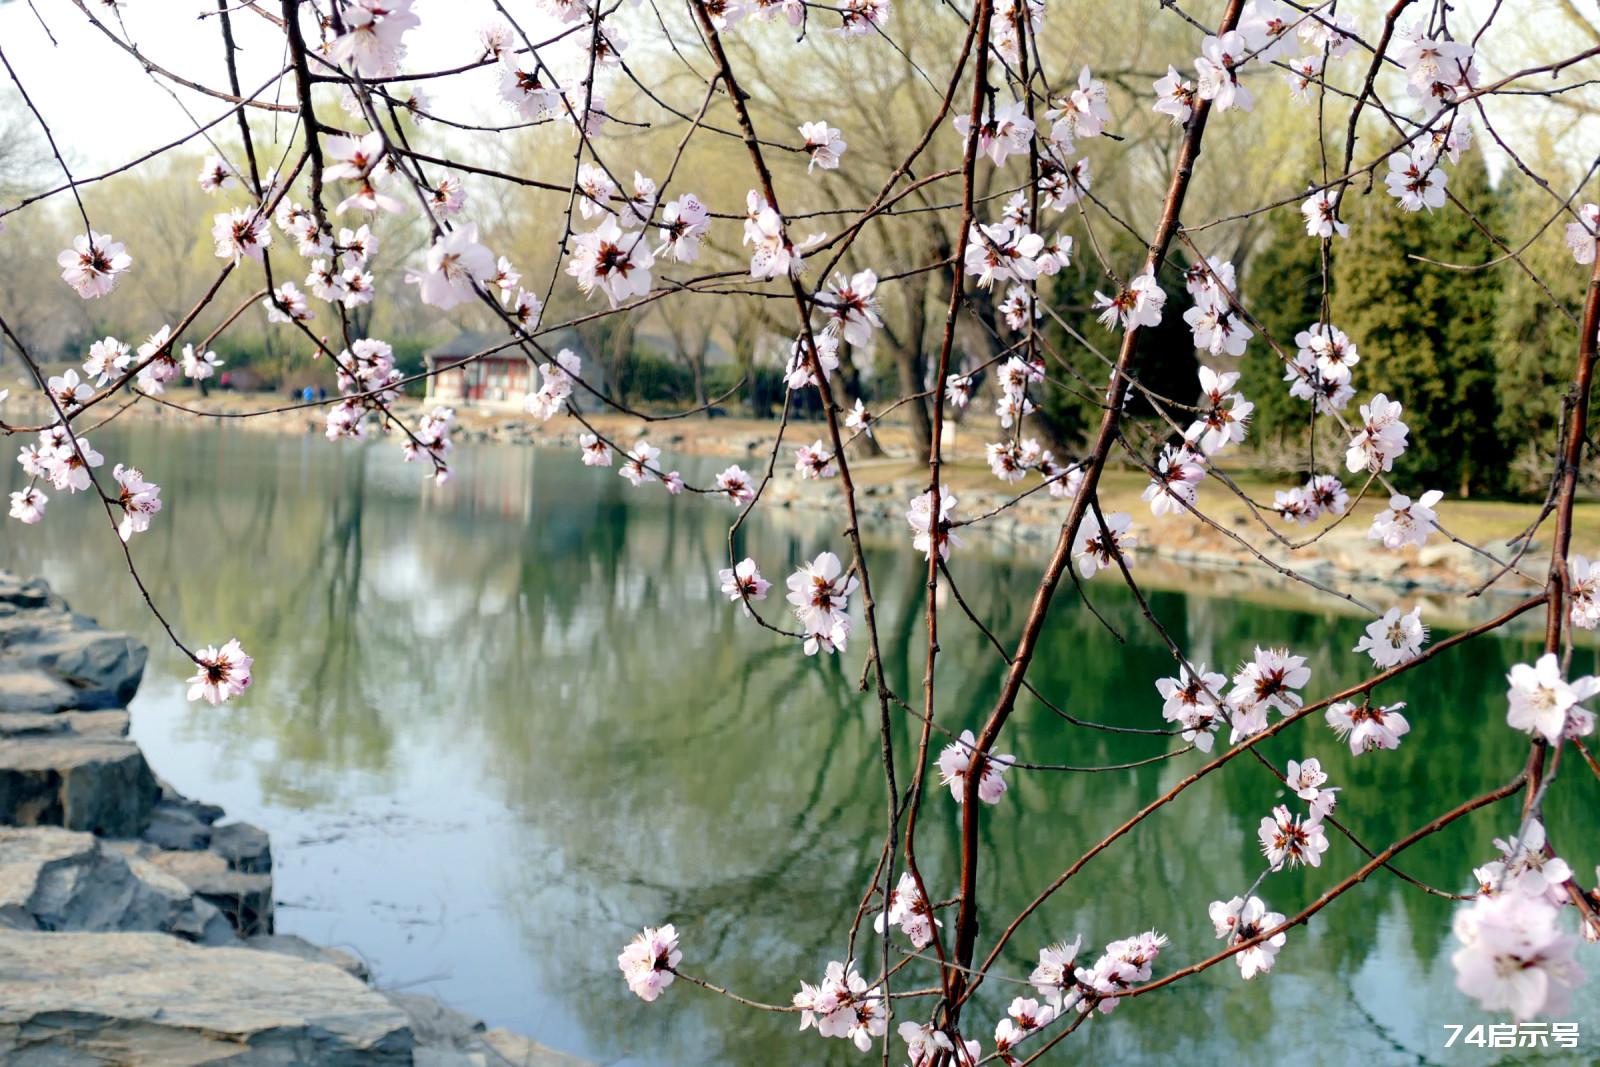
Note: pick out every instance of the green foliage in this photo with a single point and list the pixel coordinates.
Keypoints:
(763, 386)
(1426, 333)
(650, 378)
(1282, 288)
(408, 353)
(1165, 359)
(1535, 344)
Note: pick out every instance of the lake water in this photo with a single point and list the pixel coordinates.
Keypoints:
(498, 727)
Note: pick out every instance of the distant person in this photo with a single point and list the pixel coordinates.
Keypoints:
(308, 394)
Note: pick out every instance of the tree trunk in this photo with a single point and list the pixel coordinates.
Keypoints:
(866, 445)
(697, 372)
(911, 374)
(911, 369)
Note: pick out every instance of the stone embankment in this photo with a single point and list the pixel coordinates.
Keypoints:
(136, 924)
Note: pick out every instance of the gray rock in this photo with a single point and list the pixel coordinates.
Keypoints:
(246, 848)
(449, 1038)
(147, 999)
(112, 723)
(52, 659)
(437, 1025)
(32, 690)
(176, 828)
(300, 948)
(99, 784)
(24, 593)
(31, 723)
(54, 879)
(170, 797)
(514, 1050)
(245, 899)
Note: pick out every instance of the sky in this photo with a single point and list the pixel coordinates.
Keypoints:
(104, 109)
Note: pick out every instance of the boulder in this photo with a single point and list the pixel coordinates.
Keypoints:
(113, 723)
(52, 659)
(170, 797)
(96, 783)
(515, 1050)
(32, 690)
(300, 948)
(246, 848)
(176, 822)
(32, 723)
(175, 827)
(148, 999)
(437, 1025)
(54, 879)
(244, 899)
(448, 1038)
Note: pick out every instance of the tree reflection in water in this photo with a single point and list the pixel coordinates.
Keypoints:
(535, 644)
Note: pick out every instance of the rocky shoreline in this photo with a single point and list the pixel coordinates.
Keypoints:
(136, 924)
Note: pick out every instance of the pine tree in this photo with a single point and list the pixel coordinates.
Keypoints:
(1282, 289)
(1426, 333)
(1164, 362)
(1535, 344)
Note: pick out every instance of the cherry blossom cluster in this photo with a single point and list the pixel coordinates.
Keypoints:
(368, 382)
(1196, 702)
(820, 594)
(1011, 460)
(1543, 703)
(929, 516)
(647, 962)
(910, 911)
(1121, 966)
(843, 1006)
(956, 767)
(1515, 955)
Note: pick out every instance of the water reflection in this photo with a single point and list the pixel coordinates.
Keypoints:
(498, 727)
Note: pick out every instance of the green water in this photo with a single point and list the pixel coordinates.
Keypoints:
(498, 727)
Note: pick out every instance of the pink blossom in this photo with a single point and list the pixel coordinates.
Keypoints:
(221, 673)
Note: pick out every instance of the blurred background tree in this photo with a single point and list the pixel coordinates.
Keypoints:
(1472, 354)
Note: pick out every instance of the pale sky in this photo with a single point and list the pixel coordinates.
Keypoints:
(104, 109)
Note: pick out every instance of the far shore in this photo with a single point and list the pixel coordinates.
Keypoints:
(1342, 559)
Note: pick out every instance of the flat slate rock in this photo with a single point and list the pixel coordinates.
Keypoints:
(300, 948)
(144, 1000)
(96, 783)
(53, 659)
(246, 848)
(113, 723)
(515, 1050)
(449, 1038)
(246, 899)
(54, 879)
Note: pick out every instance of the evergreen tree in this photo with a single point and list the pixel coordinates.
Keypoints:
(1165, 361)
(1282, 289)
(1426, 333)
(1535, 345)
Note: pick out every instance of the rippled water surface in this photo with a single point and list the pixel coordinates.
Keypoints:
(498, 727)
